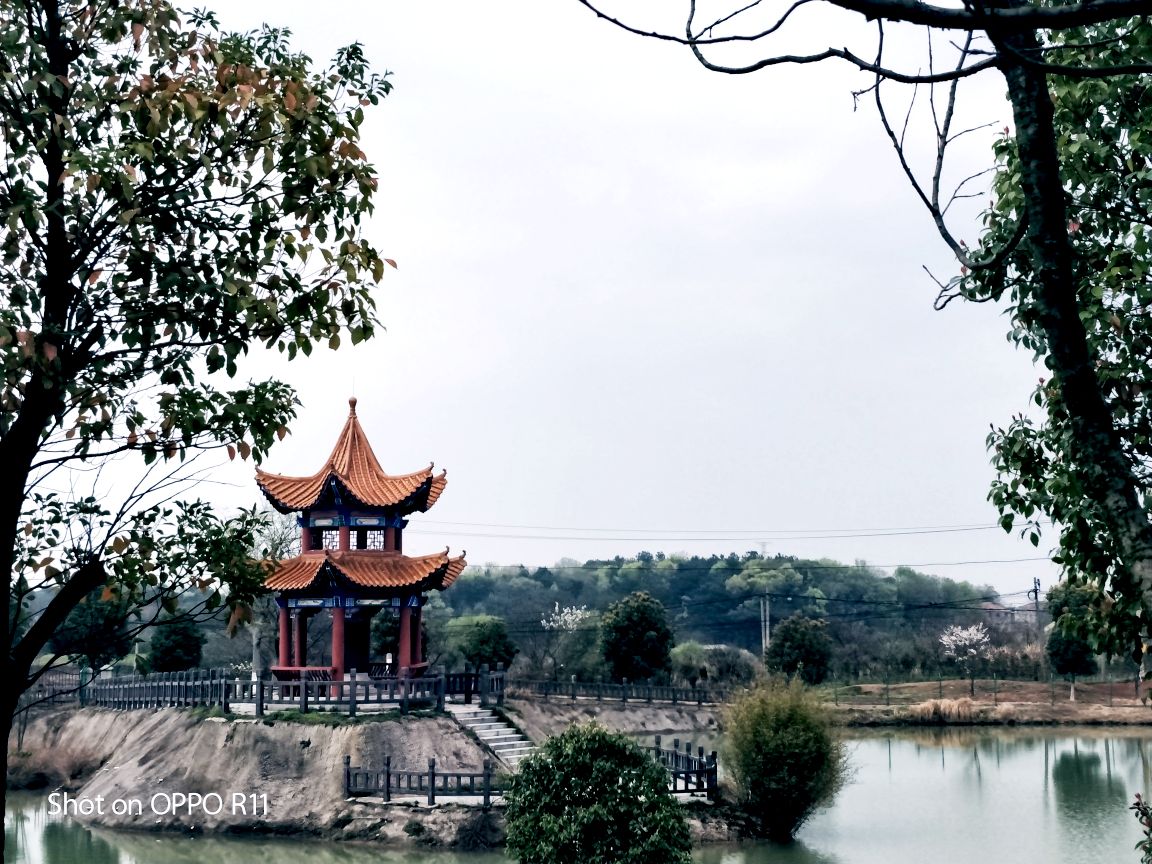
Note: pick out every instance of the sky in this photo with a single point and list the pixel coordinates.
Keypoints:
(644, 306)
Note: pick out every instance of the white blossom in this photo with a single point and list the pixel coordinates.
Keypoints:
(567, 619)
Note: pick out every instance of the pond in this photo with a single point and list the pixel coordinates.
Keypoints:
(1052, 796)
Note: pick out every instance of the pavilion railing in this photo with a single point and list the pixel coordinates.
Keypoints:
(216, 688)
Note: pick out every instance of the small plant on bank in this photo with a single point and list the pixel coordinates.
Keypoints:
(1144, 814)
(594, 797)
(782, 756)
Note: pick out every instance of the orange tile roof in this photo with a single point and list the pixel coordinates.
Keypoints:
(369, 568)
(354, 466)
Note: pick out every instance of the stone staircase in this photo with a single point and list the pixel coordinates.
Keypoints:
(507, 743)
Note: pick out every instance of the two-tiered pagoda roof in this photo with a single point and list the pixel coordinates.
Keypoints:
(369, 568)
(353, 492)
(353, 471)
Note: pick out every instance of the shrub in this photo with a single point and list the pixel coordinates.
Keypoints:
(594, 797)
(782, 757)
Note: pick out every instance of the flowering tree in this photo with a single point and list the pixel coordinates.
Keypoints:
(567, 619)
(968, 645)
(565, 637)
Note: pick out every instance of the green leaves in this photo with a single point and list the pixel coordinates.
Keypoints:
(594, 796)
(172, 194)
(1046, 464)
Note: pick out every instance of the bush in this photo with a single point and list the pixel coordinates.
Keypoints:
(594, 797)
(782, 757)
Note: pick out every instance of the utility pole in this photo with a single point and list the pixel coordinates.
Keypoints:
(765, 624)
(1035, 595)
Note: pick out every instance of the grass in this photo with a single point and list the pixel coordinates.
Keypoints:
(941, 711)
(334, 719)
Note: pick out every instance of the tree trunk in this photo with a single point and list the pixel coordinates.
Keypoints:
(1107, 475)
(1072, 691)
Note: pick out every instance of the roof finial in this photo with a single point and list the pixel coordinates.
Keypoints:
(352, 407)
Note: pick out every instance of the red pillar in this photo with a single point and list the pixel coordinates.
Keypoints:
(390, 539)
(305, 538)
(345, 541)
(285, 644)
(301, 653)
(405, 647)
(417, 636)
(338, 642)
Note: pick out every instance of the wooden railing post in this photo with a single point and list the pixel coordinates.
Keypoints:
(352, 695)
(485, 683)
(387, 778)
(441, 687)
(487, 783)
(303, 693)
(404, 695)
(258, 684)
(347, 775)
(624, 690)
(431, 782)
(712, 776)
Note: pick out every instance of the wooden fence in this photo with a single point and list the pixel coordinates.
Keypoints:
(216, 689)
(431, 784)
(688, 772)
(623, 692)
(56, 687)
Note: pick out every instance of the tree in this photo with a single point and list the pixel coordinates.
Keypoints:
(175, 646)
(800, 646)
(1105, 151)
(95, 630)
(635, 638)
(565, 642)
(1091, 477)
(173, 194)
(594, 796)
(967, 646)
(482, 639)
(1069, 651)
(781, 754)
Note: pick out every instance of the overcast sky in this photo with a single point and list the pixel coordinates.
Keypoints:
(652, 307)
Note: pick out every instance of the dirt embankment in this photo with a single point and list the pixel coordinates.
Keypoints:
(541, 720)
(148, 756)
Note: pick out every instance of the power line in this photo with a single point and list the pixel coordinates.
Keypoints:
(705, 537)
(886, 531)
(796, 563)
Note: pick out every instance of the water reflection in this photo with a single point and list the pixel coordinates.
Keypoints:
(793, 853)
(951, 794)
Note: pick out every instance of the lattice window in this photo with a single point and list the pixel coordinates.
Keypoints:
(374, 539)
(331, 538)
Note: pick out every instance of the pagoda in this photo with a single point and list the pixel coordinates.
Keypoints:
(352, 516)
